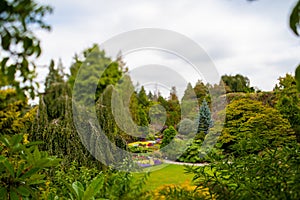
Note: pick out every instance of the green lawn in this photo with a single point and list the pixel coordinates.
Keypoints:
(165, 174)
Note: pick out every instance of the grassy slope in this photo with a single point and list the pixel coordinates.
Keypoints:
(168, 174)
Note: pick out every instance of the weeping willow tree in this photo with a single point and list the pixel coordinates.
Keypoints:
(54, 123)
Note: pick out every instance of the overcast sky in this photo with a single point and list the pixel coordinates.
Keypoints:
(250, 38)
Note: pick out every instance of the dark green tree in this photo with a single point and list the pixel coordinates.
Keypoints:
(150, 96)
(201, 91)
(143, 110)
(54, 75)
(189, 102)
(54, 123)
(163, 102)
(125, 105)
(143, 118)
(107, 120)
(94, 63)
(143, 98)
(237, 83)
(173, 109)
(204, 119)
(77, 63)
(189, 93)
(134, 108)
(56, 93)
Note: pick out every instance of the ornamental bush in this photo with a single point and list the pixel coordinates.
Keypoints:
(272, 174)
(250, 126)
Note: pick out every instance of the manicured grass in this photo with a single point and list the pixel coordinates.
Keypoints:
(165, 174)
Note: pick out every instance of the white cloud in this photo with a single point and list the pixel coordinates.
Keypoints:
(241, 37)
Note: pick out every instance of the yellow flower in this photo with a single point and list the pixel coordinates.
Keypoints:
(47, 183)
(185, 186)
(25, 139)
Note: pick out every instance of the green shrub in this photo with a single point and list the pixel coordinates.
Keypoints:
(186, 126)
(111, 184)
(273, 174)
(174, 150)
(22, 168)
(168, 136)
(184, 191)
(195, 153)
(250, 126)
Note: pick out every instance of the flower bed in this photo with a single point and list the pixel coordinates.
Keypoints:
(144, 161)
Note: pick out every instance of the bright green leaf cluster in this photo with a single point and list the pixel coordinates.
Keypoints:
(19, 43)
(250, 125)
(21, 167)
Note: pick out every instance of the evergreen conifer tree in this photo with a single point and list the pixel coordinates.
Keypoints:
(204, 119)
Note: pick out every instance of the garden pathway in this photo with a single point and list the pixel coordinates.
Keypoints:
(181, 163)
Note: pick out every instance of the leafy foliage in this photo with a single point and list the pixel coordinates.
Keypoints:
(21, 167)
(186, 126)
(295, 19)
(168, 136)
(55, 76)
(174, 149)
(201, 91)
(250, 125)
(264, 163)
(273, 174)
(53, 123)
(189, 102)
(288, 101)
(79, 182)
(237, 83)
(267, 98)
(19, 43)
(77, 191)
(173, 109)
(65, 177)
(182, 191)
(15, 115)
(94, 63)
(196, 152)
(192, 154)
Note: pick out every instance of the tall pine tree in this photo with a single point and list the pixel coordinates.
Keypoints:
(173, 109)
(204, 119)
(189, 103)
